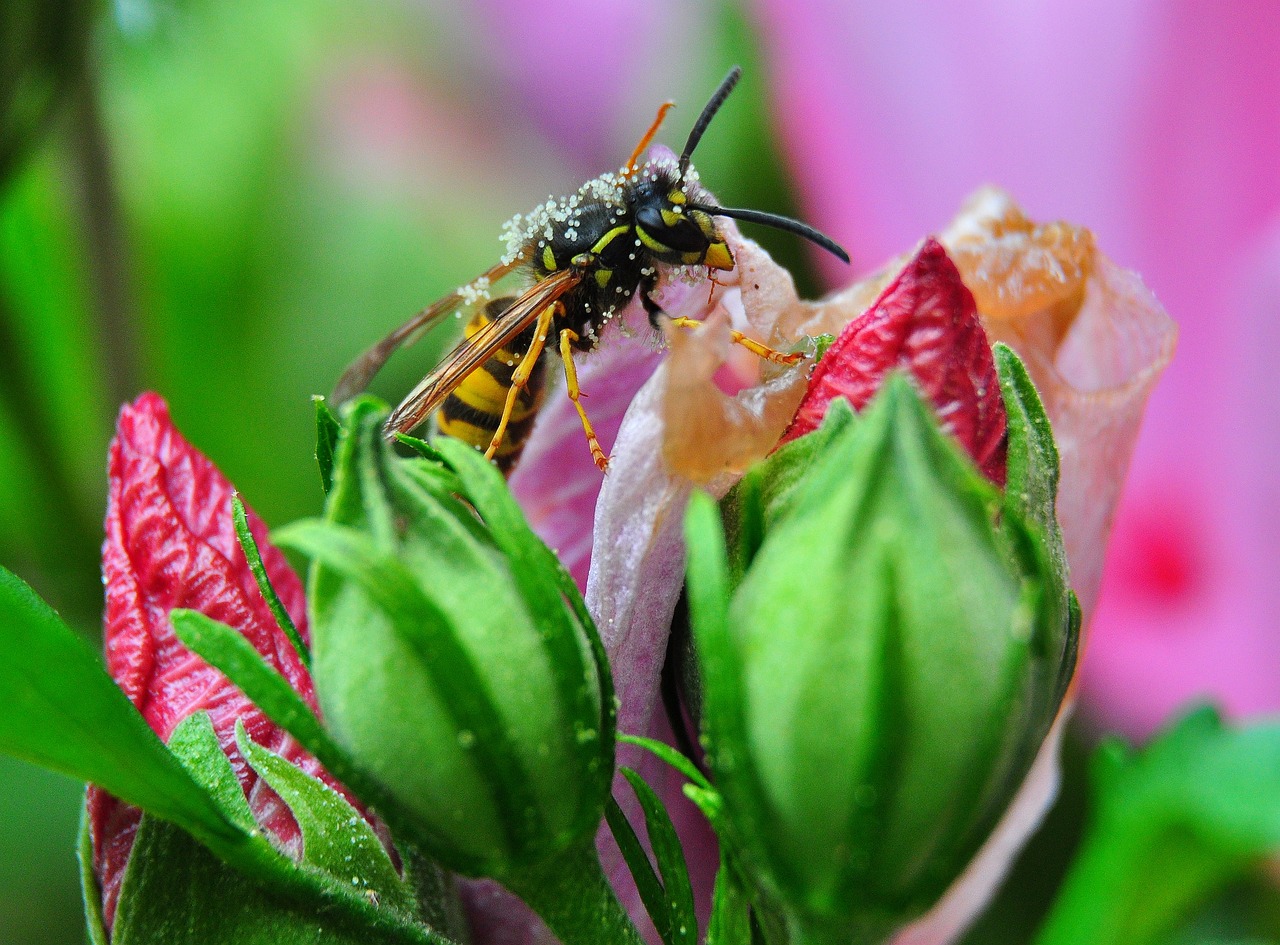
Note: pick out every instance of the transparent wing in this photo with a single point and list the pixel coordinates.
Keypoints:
(362, 370)
(477, 349)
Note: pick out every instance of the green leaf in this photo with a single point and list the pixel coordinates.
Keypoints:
(176, 892)
(336, 838)
(327, 429)
(681, 921)
(1171, 825)
(254, 558)
(61, 710)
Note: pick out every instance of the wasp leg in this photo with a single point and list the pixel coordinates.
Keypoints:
(755, 347)
(651, 308)
(567, 337)
(520, 377)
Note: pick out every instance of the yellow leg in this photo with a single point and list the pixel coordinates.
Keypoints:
(755, 347)
(520, 377)
(567, 337)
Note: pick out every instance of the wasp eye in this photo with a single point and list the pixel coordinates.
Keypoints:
(672, 229)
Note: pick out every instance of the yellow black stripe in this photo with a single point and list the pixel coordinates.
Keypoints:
(473, 411)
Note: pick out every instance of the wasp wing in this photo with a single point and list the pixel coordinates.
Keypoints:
(476, 350)
(362, 370)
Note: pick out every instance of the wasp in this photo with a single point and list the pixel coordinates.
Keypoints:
(584, 257)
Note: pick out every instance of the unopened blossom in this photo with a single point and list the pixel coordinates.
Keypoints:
(171, 543)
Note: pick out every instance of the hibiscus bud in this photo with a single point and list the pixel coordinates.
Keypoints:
(926, 323)
(171, 543)
(884, 664)
(448, 659)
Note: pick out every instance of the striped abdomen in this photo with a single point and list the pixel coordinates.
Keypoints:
(474, 410)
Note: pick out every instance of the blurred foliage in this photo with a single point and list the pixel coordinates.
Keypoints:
(41, 62)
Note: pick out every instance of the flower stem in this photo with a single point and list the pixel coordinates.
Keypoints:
(573, 897)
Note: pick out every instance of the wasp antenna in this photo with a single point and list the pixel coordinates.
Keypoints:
(708, 113)
(780, 223)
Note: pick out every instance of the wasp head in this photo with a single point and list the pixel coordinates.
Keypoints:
(673, 229)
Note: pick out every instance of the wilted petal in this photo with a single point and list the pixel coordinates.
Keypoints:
(1095, 341)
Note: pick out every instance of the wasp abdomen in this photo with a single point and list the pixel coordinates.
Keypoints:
(473, 411)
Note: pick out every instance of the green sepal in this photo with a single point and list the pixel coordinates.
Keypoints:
(439, 905)
(226, 649)
(890, 563)
(254, 558)
(336, 837)
(453, 658)
(642, 873)
(1170, 826)
(537, 573)
(62, 711)
(736, 904)
(677, 922)
(90, 891)
(1030, 503)
(730, 922)
(176, 892)
(327, 429)
(425, 628)
(766, 492)
(195, 744)
(1031, 481)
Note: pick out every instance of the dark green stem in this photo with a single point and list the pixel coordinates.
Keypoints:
(573, 897)
(112, 305)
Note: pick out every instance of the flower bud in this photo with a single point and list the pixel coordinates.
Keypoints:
(171, 543)
(879, 680)
(448, 659)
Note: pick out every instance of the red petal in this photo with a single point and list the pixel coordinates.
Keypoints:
(925, 322)
(171, 543)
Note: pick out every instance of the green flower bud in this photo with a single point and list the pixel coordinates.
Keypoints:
(883, 650)
(452, 656)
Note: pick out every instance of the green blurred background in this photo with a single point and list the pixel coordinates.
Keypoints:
(225, 202)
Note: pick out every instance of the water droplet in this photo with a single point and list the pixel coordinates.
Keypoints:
(466, 738)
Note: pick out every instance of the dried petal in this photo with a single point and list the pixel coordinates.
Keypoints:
(926, 323)
(1094, 348)
(171, 543)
